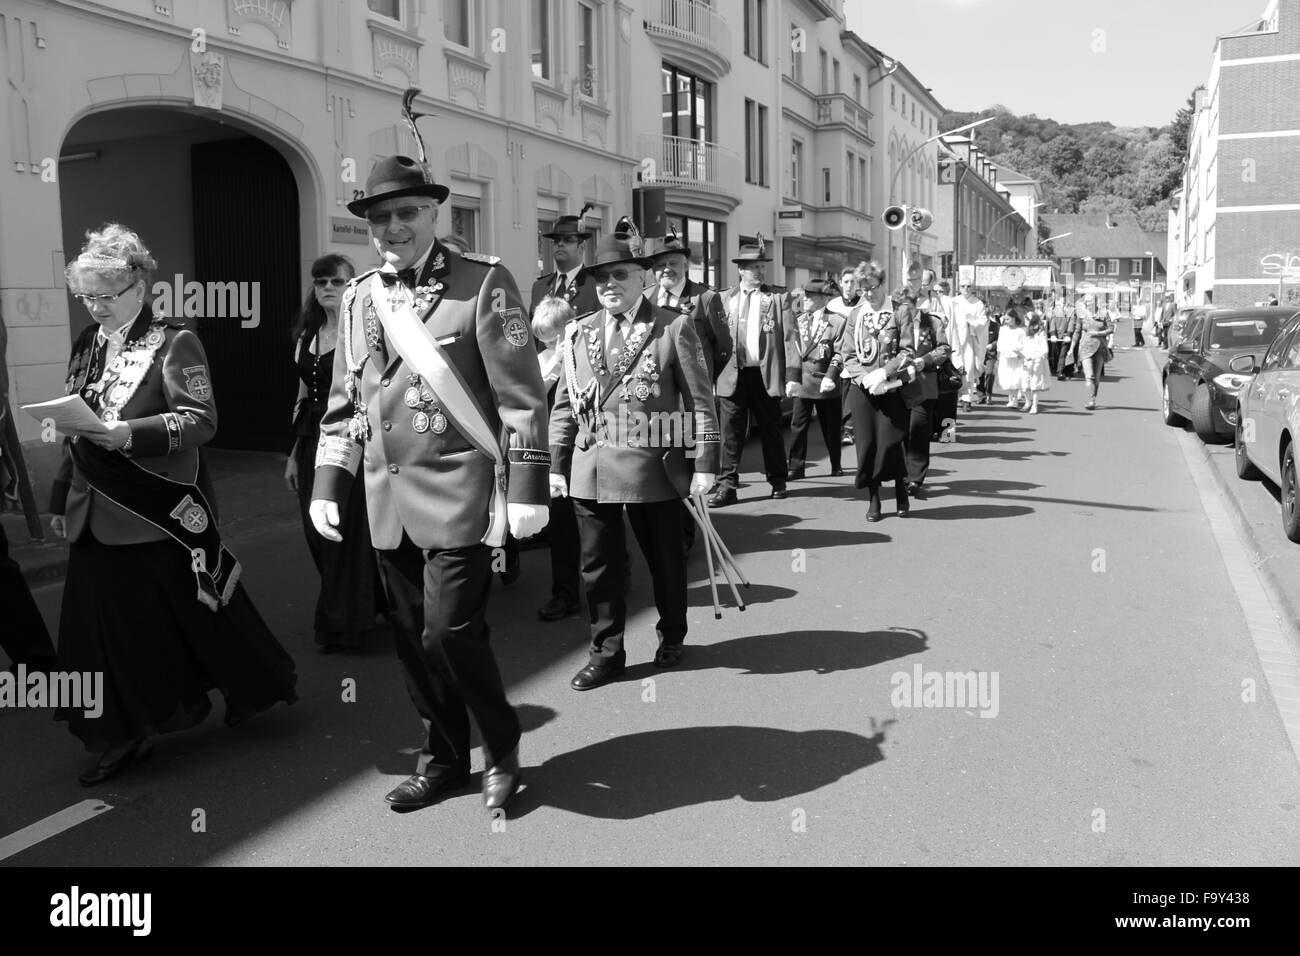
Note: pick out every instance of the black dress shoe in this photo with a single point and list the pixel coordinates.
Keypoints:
(556, 609)
(779, 493)
(797, 475)
(837, 472)
(106, 770)
(510, 576)
(900, 498)
(873, 509)
(723, 498)
(420, 790)
(501, 782)
(668, 655)
(915, 490)
(596, 675)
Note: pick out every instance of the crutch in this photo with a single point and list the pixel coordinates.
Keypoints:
(713, 541)
(708, 556)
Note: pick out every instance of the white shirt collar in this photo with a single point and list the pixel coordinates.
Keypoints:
(418, 265)
(119, 336)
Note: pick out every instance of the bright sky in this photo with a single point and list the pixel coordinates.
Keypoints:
(1129, 62)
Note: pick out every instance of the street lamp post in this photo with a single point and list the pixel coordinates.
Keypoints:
(903, 162)
(1151, 297)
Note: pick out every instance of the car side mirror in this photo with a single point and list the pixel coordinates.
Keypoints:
(1244, 364)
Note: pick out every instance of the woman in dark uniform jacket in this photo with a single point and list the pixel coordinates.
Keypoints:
(868, 350)
(351, 593)
(152, 599)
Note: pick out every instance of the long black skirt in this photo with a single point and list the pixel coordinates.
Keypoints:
(879, 430)
(351, 590)
(130, 613)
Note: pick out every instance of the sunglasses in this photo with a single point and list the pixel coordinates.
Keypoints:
(618, 275)
(321, 282)
(405, 214)
(90, 301)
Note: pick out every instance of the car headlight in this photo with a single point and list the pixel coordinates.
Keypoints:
(1231, 381)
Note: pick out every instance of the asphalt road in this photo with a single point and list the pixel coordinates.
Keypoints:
(1066, 554)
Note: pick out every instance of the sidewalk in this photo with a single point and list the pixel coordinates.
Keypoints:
(251, 493)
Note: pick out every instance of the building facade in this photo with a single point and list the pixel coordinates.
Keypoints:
(1108, 261)
(983, 221)
(1233, 228)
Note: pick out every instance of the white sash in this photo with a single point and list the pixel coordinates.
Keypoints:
(412, 340)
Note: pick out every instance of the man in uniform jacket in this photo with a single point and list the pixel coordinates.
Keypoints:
(815, 382)
(633, 418)
(677, 292)
(434, 361)
(569, 280)
(753, 380)
(921, 334)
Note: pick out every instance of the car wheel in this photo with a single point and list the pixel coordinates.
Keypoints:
(1245, 467)
(1290, 513)
(1203, 417)
(1166, 406)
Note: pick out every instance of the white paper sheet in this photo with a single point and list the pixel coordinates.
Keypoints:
(70, 414)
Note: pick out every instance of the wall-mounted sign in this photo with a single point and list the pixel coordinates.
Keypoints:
(789, 221)
(349, 230)
(966, 275)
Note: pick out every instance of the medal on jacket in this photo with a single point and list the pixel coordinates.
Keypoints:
(125, 373)
(428, 415)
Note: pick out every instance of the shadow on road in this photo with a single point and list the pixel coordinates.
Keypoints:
(702, 596)
(642, 774)
(1002, 490)
(752, 533)
(793, 652)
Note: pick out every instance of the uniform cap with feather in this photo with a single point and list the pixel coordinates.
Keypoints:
(395, 176)
(570, 226)
(625, 245)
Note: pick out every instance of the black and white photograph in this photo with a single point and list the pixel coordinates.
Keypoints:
(652, 433)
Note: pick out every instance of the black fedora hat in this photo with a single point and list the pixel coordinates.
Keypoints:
(567, 226)
(616, 249)
(395, 176)
(820, 287)
(671, 246)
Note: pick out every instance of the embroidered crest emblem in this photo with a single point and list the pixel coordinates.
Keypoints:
(439, 261)
(514, 327)
(197, 384)
(191, 515)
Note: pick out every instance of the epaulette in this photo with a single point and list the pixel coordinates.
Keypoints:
(356, 280)
(481, 257)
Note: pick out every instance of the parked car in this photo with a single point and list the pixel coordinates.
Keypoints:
(1198, 383)
(1179, 322)
(1268, 420)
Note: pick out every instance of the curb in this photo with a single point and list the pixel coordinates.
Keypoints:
(1284, 607)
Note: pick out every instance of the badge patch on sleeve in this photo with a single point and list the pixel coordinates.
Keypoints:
(197, 383)
(514, 326)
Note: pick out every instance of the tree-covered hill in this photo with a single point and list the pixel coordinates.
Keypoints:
(1089, 167)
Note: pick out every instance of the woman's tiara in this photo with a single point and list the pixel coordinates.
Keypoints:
(95, 260)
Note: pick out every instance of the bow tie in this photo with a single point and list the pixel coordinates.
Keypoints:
(404, 276)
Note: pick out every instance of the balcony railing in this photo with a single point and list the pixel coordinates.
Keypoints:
(839, 108)
(692, 164)
(692, 24)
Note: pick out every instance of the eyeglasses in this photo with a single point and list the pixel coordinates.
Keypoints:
(321, 282)
(618, 275)
(90, 301)
(405, 214)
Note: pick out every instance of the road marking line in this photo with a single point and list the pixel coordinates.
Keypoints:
(1276, 654)
(51, 826)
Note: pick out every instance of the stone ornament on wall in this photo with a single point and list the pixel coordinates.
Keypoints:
(272, 14)
(209, 73)
(466, 74)
(548, 104)
(389, 47)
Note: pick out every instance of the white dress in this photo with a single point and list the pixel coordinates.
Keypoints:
(1011, 364)
(1035, 357)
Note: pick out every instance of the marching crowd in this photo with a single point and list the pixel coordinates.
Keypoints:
(412, 501)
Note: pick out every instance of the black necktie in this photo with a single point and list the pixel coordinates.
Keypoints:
(404, 276)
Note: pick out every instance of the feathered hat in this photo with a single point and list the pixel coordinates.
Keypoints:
(395, 176)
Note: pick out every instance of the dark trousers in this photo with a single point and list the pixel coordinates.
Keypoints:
(829, 415)
(1054, 351)
(917, 444)
(658, 530)
(1138, 340)
(751, 398)
(437, 602)
(23, 634)
(945, 414)
(566, 552)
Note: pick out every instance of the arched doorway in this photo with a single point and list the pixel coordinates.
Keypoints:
(218, 207)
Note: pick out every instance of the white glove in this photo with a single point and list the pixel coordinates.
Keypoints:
(325, 518)
(828, 385)
(527, 520)
(559, 486)
(873, 378)
(790, 389)
(702, 483)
